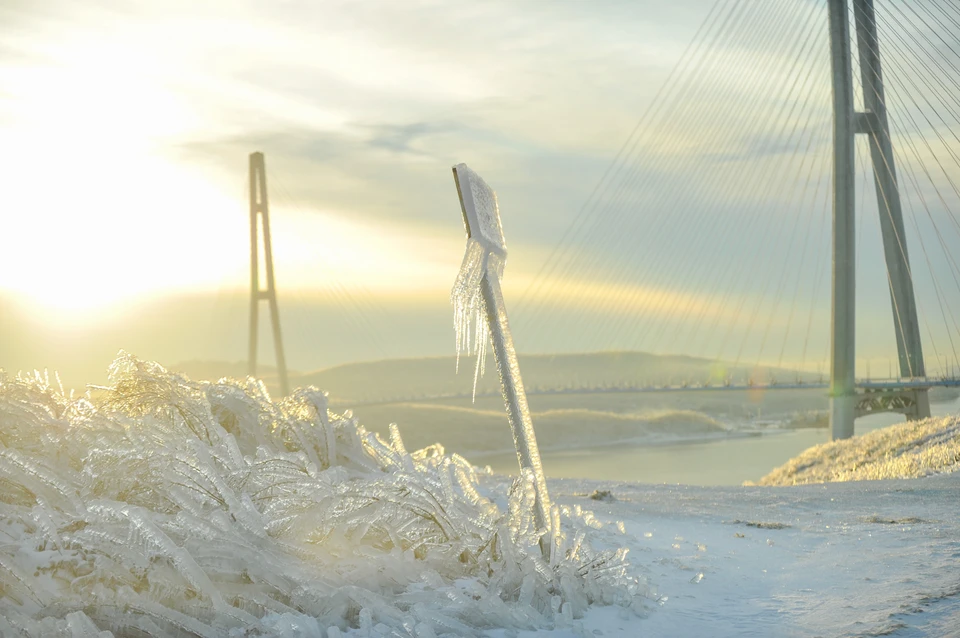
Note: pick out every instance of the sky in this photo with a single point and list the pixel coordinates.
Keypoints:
(126, 127)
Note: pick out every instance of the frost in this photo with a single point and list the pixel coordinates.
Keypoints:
(477, 292)
(481, 210)
(908, 450)
(162, 506)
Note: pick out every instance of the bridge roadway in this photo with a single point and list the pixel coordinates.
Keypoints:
(868, 388)
(866, 384)
(902, 396)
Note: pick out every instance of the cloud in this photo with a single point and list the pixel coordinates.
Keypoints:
(361, 109)
(400, 138)
(401, 172)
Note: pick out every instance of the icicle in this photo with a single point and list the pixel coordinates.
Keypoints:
(485, 255)
(468, 310)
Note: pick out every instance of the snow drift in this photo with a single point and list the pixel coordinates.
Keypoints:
(908, 450)
(161, 506)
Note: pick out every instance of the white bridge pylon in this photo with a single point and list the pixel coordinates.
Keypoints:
(844, 402)
(260, 216)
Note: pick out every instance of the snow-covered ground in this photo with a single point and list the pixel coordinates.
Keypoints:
(167, 507)
(841, 559)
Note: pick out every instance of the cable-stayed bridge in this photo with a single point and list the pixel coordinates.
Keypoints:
(792, 197)
(789, 202)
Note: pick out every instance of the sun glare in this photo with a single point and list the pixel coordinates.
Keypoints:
(101, 216)
(96, 215)
(85, 240)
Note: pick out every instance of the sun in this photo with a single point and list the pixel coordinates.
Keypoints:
(95, 212)
(80, 244)
(100, 212)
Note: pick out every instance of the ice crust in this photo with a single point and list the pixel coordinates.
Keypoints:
(162, 506)
(485, 253)
(481, 210)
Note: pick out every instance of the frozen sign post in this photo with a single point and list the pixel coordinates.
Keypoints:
(478, 300)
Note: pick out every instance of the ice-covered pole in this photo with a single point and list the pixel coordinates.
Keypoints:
(477, 297)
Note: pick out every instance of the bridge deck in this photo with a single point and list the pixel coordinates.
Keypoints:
(866, 384)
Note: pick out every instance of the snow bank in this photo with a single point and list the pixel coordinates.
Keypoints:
(167, 507)
(473, 432)
(907, 450)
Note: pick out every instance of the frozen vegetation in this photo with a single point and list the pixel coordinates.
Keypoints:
(162, 506)
(907, 450)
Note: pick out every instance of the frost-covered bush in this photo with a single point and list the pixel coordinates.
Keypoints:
(907, 450)
(160, 506)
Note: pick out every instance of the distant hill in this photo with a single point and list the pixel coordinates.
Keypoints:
(425, 378)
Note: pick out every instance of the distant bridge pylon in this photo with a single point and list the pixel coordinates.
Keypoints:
(260, 216)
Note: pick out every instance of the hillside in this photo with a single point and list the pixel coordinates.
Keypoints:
(414, 379)
(907, 450)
